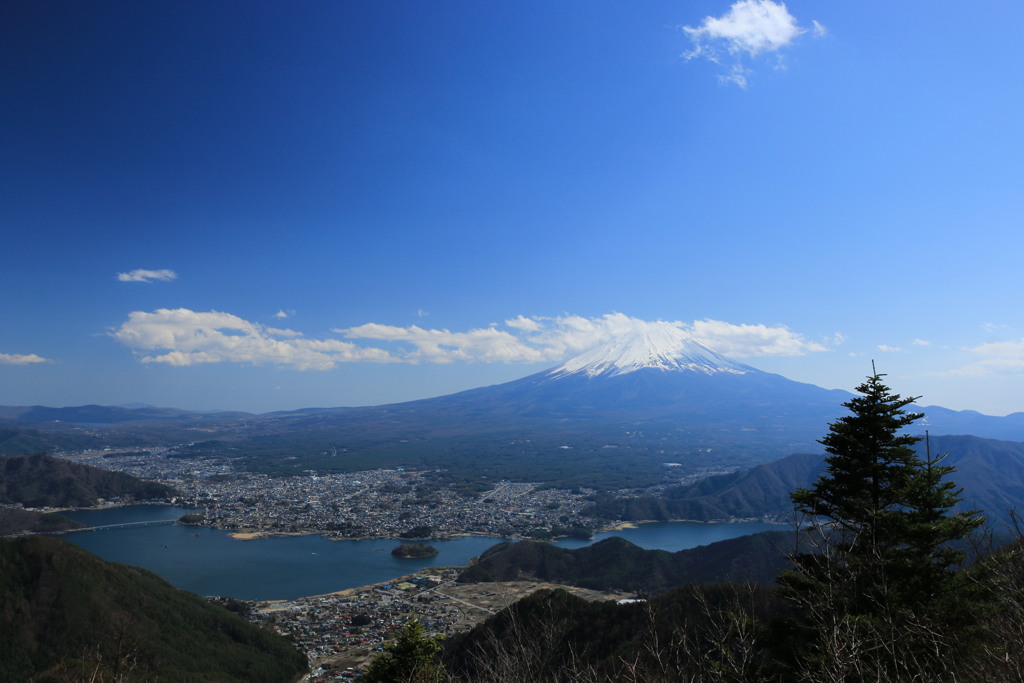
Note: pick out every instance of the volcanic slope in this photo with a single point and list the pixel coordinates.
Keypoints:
(612, 417)
(626, 409)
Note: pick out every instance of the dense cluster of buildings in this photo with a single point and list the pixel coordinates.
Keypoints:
(342, 632)
(377, 503)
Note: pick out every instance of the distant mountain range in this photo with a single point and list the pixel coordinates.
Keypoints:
(610, 418)
(990, 472)
(108, 415)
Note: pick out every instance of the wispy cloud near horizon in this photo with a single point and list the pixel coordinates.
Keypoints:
(22, 359)
(997, 358)
(182, 337)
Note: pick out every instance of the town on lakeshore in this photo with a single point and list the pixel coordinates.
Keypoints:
(386, 503)
(341, 632)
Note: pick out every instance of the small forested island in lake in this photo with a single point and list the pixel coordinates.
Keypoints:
(414, 550)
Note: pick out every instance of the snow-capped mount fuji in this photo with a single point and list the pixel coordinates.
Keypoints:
(659, 346)
(661, 373)
(640, 400)
(610, 417)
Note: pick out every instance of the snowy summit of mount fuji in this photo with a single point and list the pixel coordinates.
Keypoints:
(660, 346)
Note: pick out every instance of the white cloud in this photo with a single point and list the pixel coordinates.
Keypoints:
(21, 359)
(280, 314)
(183, 337)
(486, 344)
(990, 367)
(748, 30)
(994, 328)
(737, 76)
(278, 332)
(998, 358)
(751, 26)
(921, 342)
(1008, 349)
(141, 275)
(747, 341)
(524, 324)
(891, 349)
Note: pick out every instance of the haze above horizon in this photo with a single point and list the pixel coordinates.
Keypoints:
(270, 207)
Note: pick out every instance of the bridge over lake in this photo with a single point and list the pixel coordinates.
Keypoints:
(148, 522)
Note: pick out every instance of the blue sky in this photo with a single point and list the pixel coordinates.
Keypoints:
(262, 206)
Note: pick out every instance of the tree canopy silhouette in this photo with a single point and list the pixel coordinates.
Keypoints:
(880, 573)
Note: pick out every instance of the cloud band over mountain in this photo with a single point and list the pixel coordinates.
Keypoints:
(182, 337)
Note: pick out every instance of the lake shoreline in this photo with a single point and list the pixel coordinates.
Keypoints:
(255, 534)
(210, 561)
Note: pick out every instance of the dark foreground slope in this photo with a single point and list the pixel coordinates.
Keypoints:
(617, 564)
(723, 632)
(68, 615)
(555, 636)
(44, 481)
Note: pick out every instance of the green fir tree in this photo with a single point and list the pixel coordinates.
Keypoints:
(412, 658)
(878, 591)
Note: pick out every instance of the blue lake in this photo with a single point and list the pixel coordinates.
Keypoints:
(210, 562)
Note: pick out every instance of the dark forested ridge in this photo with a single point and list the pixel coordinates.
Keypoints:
(68, 615)
(617, 564)
(14, 520)
(44, 481)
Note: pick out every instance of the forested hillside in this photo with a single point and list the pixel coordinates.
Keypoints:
(15, 520)
(68, 615)
(617, 564)
(43, 481)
